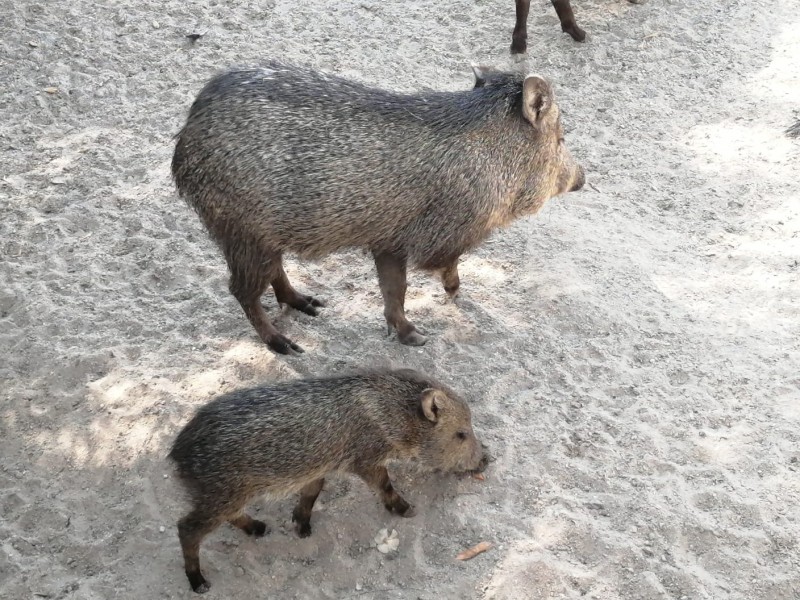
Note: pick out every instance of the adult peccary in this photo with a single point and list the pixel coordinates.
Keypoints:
(519, 39)
(287, 159)
(287, 437)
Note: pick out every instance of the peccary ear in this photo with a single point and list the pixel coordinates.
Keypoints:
(537, 98)
(432, 402)
(481, 73)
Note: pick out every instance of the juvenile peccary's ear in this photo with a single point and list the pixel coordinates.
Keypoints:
(481, 74)
(432, 402)
(537, 98)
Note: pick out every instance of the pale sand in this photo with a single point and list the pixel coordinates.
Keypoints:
(632, 354)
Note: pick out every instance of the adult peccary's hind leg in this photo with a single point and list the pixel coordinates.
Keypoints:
(450, 279)
(251, 273)
(567, 18)
(249, 525)
(378, 479)
(301, 515)
(191, 530)
(519, 39)
(286, 294)
(392, 280)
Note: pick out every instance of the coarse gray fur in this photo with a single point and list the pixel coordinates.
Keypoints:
(285, 438)
(287, 159)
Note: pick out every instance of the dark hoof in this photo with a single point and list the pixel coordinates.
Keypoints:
(198, 582)
(452, 292)
(576, 32)
(519, 46)
(308, 305)
(302, 527)
(401, 508)
(413, 338)
(257, 529)
(283, 345)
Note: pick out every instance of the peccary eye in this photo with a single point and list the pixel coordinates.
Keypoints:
(462, 435)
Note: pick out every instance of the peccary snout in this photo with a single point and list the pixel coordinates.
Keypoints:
(286, 438)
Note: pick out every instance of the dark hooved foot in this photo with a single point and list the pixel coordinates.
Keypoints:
(452, 291)
(307, 305)
(302, 526)
(283, 345)
(412, 338)
(198, 582)
(402, 508)
(519, 46)
(256, 528)
(576, 32)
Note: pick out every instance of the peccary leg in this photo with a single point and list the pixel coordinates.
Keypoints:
(378, 479)
(519, 39)
(450, 279)
(301, 516)
(191, 530)
(249, 525)
(392, 280)
(567, 18)
(251, 273)
(286, 294)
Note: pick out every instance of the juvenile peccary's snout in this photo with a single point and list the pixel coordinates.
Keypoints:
(285, 438)
(287, 159)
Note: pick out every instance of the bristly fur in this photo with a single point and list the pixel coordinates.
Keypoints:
(287, 159)
(284, 438)
(291, 159)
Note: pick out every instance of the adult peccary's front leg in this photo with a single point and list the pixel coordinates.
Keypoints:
(567, 18)
(519, 39)
(392, 280)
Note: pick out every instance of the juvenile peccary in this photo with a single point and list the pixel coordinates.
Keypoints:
(287, 437)
(287, 159)
(519, 39)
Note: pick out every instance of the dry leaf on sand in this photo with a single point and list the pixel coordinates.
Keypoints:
(474, 551)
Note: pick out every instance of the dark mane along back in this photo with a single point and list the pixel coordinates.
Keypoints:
(303, 87)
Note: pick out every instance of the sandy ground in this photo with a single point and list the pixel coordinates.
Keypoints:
(632, 354)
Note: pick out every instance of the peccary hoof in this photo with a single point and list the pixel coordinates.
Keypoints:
(452, 292)
(257, 529)
(519, 46)
(402, 508)
(202, 588)
(576, 32)
(283, 345)
(307, 305)
(302, 527)
(413, 338)
(198, 582)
